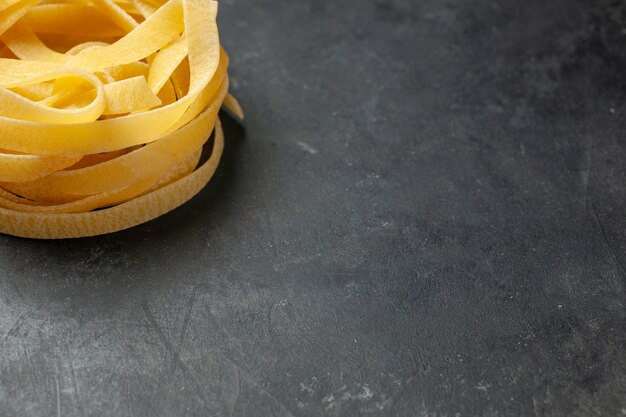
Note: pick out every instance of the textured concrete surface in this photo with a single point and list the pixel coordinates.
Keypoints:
(425, 216)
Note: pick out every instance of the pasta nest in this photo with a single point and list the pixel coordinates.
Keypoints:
(105, 106)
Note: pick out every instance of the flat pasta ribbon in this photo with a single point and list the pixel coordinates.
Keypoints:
(105, 106)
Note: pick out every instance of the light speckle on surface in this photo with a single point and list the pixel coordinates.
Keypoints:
(307, 148)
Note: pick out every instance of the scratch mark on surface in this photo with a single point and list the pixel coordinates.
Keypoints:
(28, 364)
(243, 374)
(174, 356)
(128, 399)
(382, 226)
(585, 172)
(16, 327)
(56, 383)
(153, 409)
(155, 325)
(236, 399)
(183, 332)
(536, 408)
(254, 383)
(73, 376)
(126, 323)
(96, 336)
(169, 356)
(17, 290)
(102, 333)
(270, 329)
(605, 240)
(297, 260)
(71, 363)
(189, 375)
(272, 236)
(586, 176)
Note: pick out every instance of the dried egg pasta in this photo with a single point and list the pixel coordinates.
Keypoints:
(105, 106)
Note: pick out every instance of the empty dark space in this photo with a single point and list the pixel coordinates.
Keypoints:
(423, 215)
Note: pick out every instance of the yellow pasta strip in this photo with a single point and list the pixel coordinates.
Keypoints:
(84, 204)
(20, 168)
(13, 13)
(179, 171)
(94, 159)
(6, 52)
(145, 8)
(71, 19)
(167, 95)
(231, 103)
(16, 73)
(85, 45)
(35, 92)
(18, 107)
(25, 44)
(116, 14)
(4, 4)
(165, 62)
(180, 78)
(134, 69)
(129, 95)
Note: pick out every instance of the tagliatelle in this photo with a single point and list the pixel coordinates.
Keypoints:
(105, 106)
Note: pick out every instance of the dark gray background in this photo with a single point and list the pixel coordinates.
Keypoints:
(425, 216)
